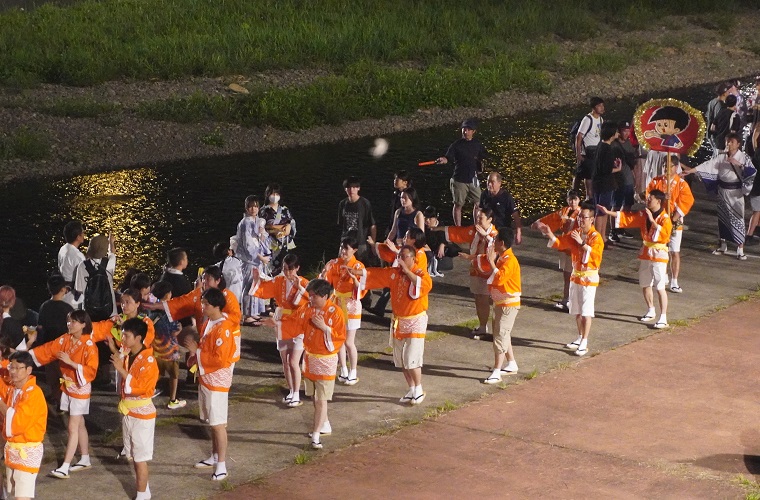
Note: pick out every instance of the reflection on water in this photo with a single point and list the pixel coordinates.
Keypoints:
(197, 203)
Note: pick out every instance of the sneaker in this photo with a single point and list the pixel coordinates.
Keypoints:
(676, 289)
(625, 234)
(176, 404)
(741, 256)
(58, 474)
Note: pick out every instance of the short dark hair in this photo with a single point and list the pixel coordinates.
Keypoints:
(56, 283)
(251, 200)
(22, 358)
(731, 101)
(585, 205)
(404, 176)
(430, 212)
(175, 256)
(418, 235)
(139, 281)
(608, 131)
(215, 297)
(220, 249)
(408, 248)
(351, 181)
(734, 135)
(487, 212)
(506, 235)
(271, 189)
(131, 292)
(137, 327)
(656, 193)
(292, 260)
(595, 101)
(319, 287)
(350, 241)
(160, 289)
(72, 230)
(572, 193)
(82, 317)
(216, 273)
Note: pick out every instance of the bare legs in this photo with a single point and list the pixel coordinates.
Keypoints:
(482, 308)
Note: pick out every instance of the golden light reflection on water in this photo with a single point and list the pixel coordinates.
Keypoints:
(125, 203)
(536, 162)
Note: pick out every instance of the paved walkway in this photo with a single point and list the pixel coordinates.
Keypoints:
(671, 416)
(266, 437)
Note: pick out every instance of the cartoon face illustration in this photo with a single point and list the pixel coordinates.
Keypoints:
(669, 120)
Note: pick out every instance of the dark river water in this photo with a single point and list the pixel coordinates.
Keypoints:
(197, 203)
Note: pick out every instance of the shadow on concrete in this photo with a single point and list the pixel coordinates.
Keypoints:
(730, 462)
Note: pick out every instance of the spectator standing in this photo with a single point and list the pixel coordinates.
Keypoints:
(467, 154)
(586, 141)
(355, 217)
(69, 257)
(503, 206)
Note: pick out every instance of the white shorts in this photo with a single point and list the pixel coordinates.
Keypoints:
(213, 405)
(20, 482)
(479, 286)
(654, 274)
(408, 352)
(294, 344)
(565, 263)
(138, 437)
(74, 406)
(675, 240)
(581, 300)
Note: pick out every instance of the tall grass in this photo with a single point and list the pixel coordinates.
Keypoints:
(94, 41)
(24, 144)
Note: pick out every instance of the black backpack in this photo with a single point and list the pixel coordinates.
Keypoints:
(572, 132)
(98, 293)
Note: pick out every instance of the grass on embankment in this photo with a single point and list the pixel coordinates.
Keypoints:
(386, 58)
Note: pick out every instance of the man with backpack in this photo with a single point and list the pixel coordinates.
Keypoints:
(585, 141)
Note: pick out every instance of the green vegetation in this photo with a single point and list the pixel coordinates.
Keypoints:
(381, 59)
(24, 144)
(302, 458)
(441, 409)
(532, 374)
(215, 138)
(77, 108)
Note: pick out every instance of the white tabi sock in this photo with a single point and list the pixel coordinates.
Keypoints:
(417, 391)
(221, 468)
(344, 372)
(584, 344)
(84, 460)
(674, 283)
(352, 375)
(65, 467)
(142, 495)
(650, 312)
(663, 319)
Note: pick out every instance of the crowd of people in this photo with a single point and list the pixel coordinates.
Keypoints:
(93, 332)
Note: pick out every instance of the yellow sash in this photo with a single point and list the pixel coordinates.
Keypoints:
(21, 447)
(66, 383)
(586, 274)
(346, 295)
(130, 404)
(656, 246)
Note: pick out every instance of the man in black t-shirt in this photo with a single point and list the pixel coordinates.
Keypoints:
(502, 204)
(355, 218)
(467, 155)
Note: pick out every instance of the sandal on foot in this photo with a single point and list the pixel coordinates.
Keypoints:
(660, 325)
(647, 317)
(581, 352)
(317, 445)
(58, 474)
(492, 380)
(295, 403)
(573, 345)
(719, 251)
(419, 399)
(219, 477)
(205, 463)
(79, 466)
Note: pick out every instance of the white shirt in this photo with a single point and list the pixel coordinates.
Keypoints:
(69, 258)
(591, 129)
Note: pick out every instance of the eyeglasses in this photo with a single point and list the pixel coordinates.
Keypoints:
(585, 217)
